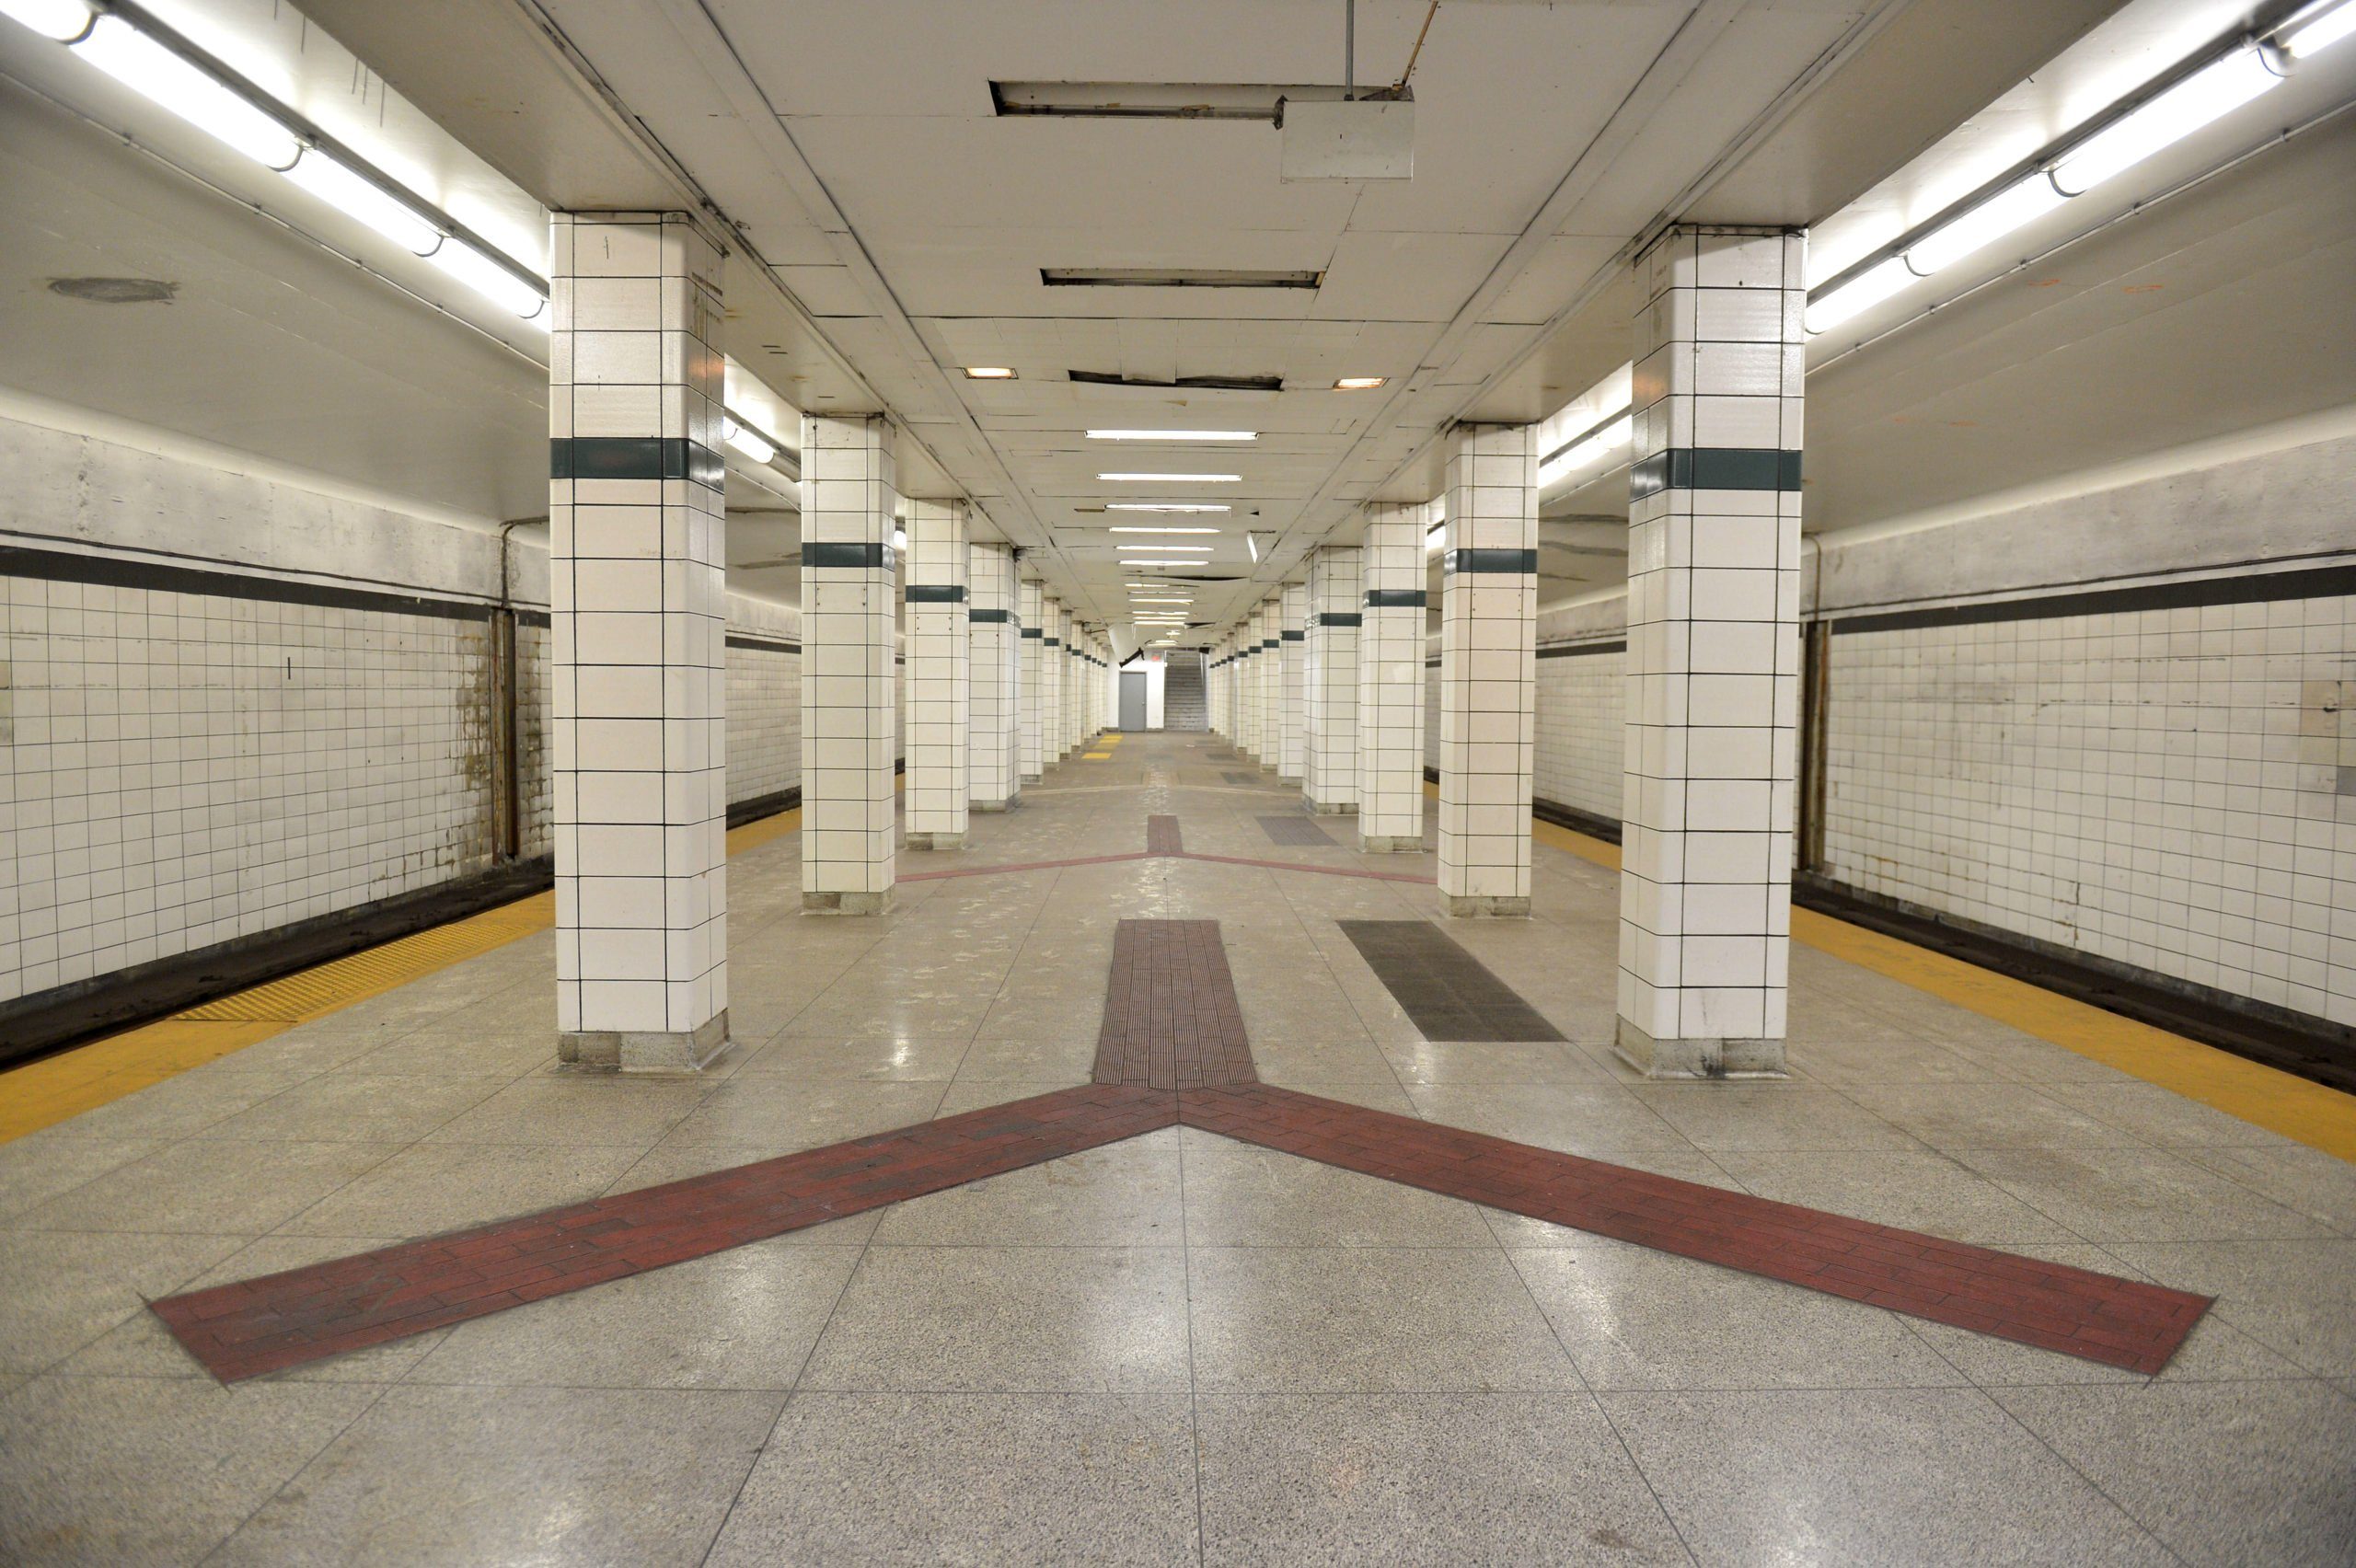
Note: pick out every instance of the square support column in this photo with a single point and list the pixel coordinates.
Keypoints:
(637, 620)
(940, 675)
(1051, 682)
(1390, 682)
(994, 779)
(1713, 571)
(1488, 677)
(1032, 624)
(1269, 672)
(1329, 773)
(849, 672)
(1292, 614)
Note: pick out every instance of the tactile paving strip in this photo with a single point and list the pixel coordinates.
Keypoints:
(1448, 993)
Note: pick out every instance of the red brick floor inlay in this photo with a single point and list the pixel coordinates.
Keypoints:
(2119, 1321)
(283, 1320)
(1171, 1049)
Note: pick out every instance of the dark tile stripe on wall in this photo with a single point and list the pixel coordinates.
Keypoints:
(635, 457)
(2252, 588)
(115, 571)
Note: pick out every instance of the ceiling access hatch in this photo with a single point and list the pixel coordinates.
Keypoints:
(1151, 100)
(1179, 278)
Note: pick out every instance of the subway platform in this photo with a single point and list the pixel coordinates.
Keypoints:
(1192, 1212)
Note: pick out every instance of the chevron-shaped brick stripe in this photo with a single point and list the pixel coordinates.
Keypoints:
(1171, 1049)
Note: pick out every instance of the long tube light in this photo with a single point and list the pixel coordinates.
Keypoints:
(2196, 93)
(164, 68)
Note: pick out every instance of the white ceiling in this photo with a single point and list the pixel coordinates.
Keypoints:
(853, 148)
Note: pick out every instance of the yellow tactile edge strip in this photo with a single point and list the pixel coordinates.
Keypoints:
(44, 1093)
(2319, 1117)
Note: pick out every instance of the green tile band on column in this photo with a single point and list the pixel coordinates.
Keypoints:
(1034, 631)
(872, 553)
(936, 594)
(1295, 636)
(1508, 562)
(1395, 598)
(1714, 467)
(1340, 617)
(635, 457)
(991, 618)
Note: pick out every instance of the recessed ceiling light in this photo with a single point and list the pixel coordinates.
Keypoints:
(1148, 600)
(1359, 383)
(1171, 479)
(1165, 506)
(1173, 435)
(1203, 550)
(1181, 560)
(989, 373)
(1170, 530)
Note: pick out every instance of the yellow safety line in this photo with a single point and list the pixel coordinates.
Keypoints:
(2263, 1096)
(44, 1093)
(1096, 756)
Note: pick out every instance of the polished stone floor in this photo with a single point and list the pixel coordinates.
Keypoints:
(1178, 1347)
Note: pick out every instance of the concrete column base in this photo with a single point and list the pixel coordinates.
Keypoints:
(847, 903)
(1375, 843)
(1006, 805)
(1469, 906)
(648, 1052)
(1321, 808)
(1698, 1058)
(936, 840)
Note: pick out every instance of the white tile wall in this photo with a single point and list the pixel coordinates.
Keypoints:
(184, 769)
(2159, 788)
(1580, 740)
(763, 720)
(849, 682)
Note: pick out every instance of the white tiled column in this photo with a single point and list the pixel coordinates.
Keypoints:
(1215, 690)
(940, 675)
(1292, 651)
(1713, 569)
(1269, 672)
(1390, 680)
(849, 675)
(1051, 681)
(1032, 619)
(995, 763)
(1329, 771)
(1247, 685)
(1488, 678)
(638, 687)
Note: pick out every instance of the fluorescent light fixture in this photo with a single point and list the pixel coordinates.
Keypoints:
(60, 20)
(2208, 94)
(989, 373)
(1182, 560)
(1862, 292)
(1141, 601)
(2318, 28)
(145, 66)
(1205, 550)
(1171, 479)
(358, 197)
(747, 442)
(2018, 204)
(1171, 530)
(489, 279)
(1164, 506)
(1359, 383)
(1173, 435)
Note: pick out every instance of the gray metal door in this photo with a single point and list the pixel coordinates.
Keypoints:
(1132, 700)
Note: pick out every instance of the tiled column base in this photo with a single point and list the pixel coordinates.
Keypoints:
(1686, 1058)
(646, 1051)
